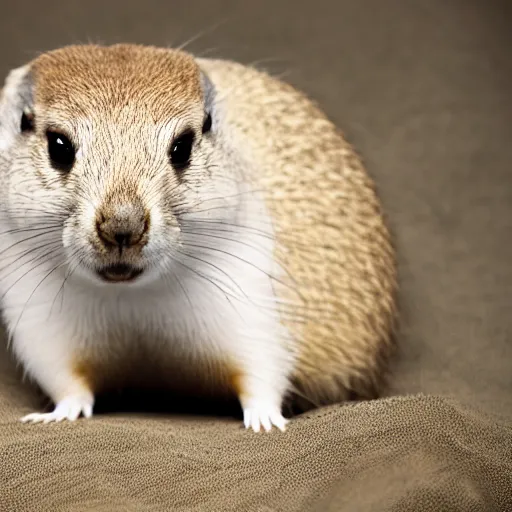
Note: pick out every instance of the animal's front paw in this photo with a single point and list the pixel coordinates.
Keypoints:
(68, 409)
(263, 415)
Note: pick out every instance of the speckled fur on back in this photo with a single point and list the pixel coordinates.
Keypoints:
(332, 237)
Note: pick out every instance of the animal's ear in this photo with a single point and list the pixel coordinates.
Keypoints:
(208, 92)
(16, 106)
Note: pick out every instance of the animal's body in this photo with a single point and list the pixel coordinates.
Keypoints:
(188, 223)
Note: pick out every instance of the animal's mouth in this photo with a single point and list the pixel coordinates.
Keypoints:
(120, 272)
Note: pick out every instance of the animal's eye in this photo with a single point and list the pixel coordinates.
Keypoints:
(207, 125)
(180, 150)
(61, 151)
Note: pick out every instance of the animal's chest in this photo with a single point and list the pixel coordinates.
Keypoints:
(148, 347)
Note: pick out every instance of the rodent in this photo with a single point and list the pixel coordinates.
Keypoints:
(191, 223)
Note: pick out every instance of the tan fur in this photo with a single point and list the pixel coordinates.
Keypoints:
(104, 78)
(120, 84)
(332, 239)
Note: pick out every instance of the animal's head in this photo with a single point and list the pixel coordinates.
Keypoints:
(108, 149)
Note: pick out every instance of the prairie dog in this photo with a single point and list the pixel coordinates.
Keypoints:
(190, 223)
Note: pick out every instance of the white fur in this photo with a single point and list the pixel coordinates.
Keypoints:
(69, 408)
(55, 308)
(48, 321)
(9, 118)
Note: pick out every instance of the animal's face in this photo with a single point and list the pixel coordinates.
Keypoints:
(108, 151)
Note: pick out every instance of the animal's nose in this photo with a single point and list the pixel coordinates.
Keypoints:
(126, 239)
(123, 226)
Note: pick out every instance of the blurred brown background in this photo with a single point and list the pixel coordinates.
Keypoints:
(423, 89)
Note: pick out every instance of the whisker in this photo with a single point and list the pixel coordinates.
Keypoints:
(208, 234)
(250, 263)
(212, 224)
(227, 296)
(201, 34)
(15, 231)
(22, 241)
(28, 252)
(216, 268)
(54, 269)
(70, 272)
(48, 253)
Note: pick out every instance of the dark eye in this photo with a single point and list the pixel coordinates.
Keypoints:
(180, 151)
(61, 150)
(207, 125)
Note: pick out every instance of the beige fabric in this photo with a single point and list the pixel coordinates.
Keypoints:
(422, 88)
(406, 454)
(417, 453)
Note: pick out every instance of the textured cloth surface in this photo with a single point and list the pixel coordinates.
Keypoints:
(415, 453)
(422, 88)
